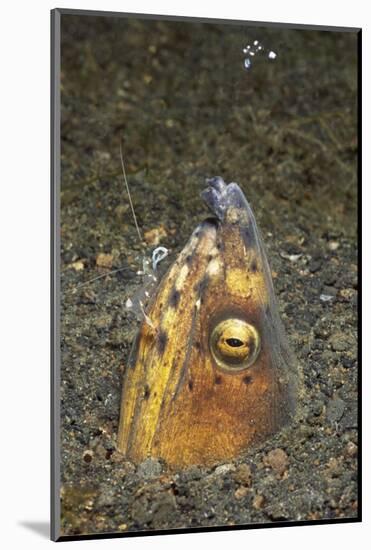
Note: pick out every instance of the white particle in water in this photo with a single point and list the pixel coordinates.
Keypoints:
(256, 42)
(245, 50)
(326, 298)
(260, 48)
(247, 63)
(252, 53)
(272, 55)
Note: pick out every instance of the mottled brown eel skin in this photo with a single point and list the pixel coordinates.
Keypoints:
(214, 373)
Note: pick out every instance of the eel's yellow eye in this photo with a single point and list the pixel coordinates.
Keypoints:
(235, 344)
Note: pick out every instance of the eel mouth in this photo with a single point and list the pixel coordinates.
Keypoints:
(224, 199)
(209, 224)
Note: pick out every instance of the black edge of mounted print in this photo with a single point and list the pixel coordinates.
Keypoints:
(55, 60)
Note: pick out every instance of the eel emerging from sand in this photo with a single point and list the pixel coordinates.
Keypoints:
(212, 374)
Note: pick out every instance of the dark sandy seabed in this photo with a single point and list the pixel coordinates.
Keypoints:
(179, 97)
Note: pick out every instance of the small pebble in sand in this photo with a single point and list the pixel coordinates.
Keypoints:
(258, 502)
(88, 456)
(341, 342)
(224, 468)
(326, 297)
(77, 266)
(243, 474)
(333, 468)
(335, 410)
(241, 492)
(121, 210)
(351, 450)
(150, 468)
(104, 260)
(333, 245)
(278, 460)
(290, 257)
(154, 236)
(347, 293)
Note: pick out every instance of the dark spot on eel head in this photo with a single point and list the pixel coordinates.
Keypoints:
(254, 266)
(189, 259)
(197, 345)
(218, 379)
(220, 245)
(247, 379)
(248, 234)
(174, 298)
(146, 392)
(190, 385)
(161, 341)
(201, 286)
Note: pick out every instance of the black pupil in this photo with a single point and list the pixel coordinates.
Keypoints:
(234, 342)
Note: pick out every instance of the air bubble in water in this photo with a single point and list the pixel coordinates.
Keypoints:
(247, 63)
(254, 50)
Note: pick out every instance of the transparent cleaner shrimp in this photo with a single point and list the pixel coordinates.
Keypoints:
(138, 302)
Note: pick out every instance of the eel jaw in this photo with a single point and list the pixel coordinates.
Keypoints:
(222, 198)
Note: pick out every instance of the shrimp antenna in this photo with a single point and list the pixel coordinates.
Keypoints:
(99, 277)
(128, 191)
